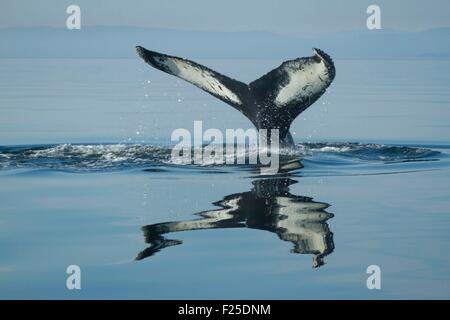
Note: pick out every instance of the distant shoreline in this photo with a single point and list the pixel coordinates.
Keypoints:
(119, 42)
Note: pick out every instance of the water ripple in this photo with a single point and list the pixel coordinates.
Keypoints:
(111, 157)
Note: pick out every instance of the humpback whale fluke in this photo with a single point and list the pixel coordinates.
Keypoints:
(268, 206)
(270, 102)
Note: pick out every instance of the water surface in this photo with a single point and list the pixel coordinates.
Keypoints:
(86, 178)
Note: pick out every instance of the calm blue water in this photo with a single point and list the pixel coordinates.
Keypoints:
(86, 179)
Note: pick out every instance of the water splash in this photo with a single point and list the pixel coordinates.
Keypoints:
(112, 157)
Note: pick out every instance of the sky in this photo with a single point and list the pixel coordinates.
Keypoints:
(285, 16)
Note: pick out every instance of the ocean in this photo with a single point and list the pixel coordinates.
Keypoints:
(86, 179)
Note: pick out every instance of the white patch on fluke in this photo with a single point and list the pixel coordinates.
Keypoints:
(209, 218)
(305, 81)
(199, 77)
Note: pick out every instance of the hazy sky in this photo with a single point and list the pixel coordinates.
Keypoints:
(288, 16)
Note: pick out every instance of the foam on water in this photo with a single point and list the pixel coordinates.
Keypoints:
(112, 157)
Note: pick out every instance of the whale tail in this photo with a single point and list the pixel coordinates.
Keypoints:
(270, 102)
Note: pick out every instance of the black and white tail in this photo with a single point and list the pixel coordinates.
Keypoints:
(270, 102)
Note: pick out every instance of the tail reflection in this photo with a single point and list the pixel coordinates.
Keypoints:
(268, 206)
